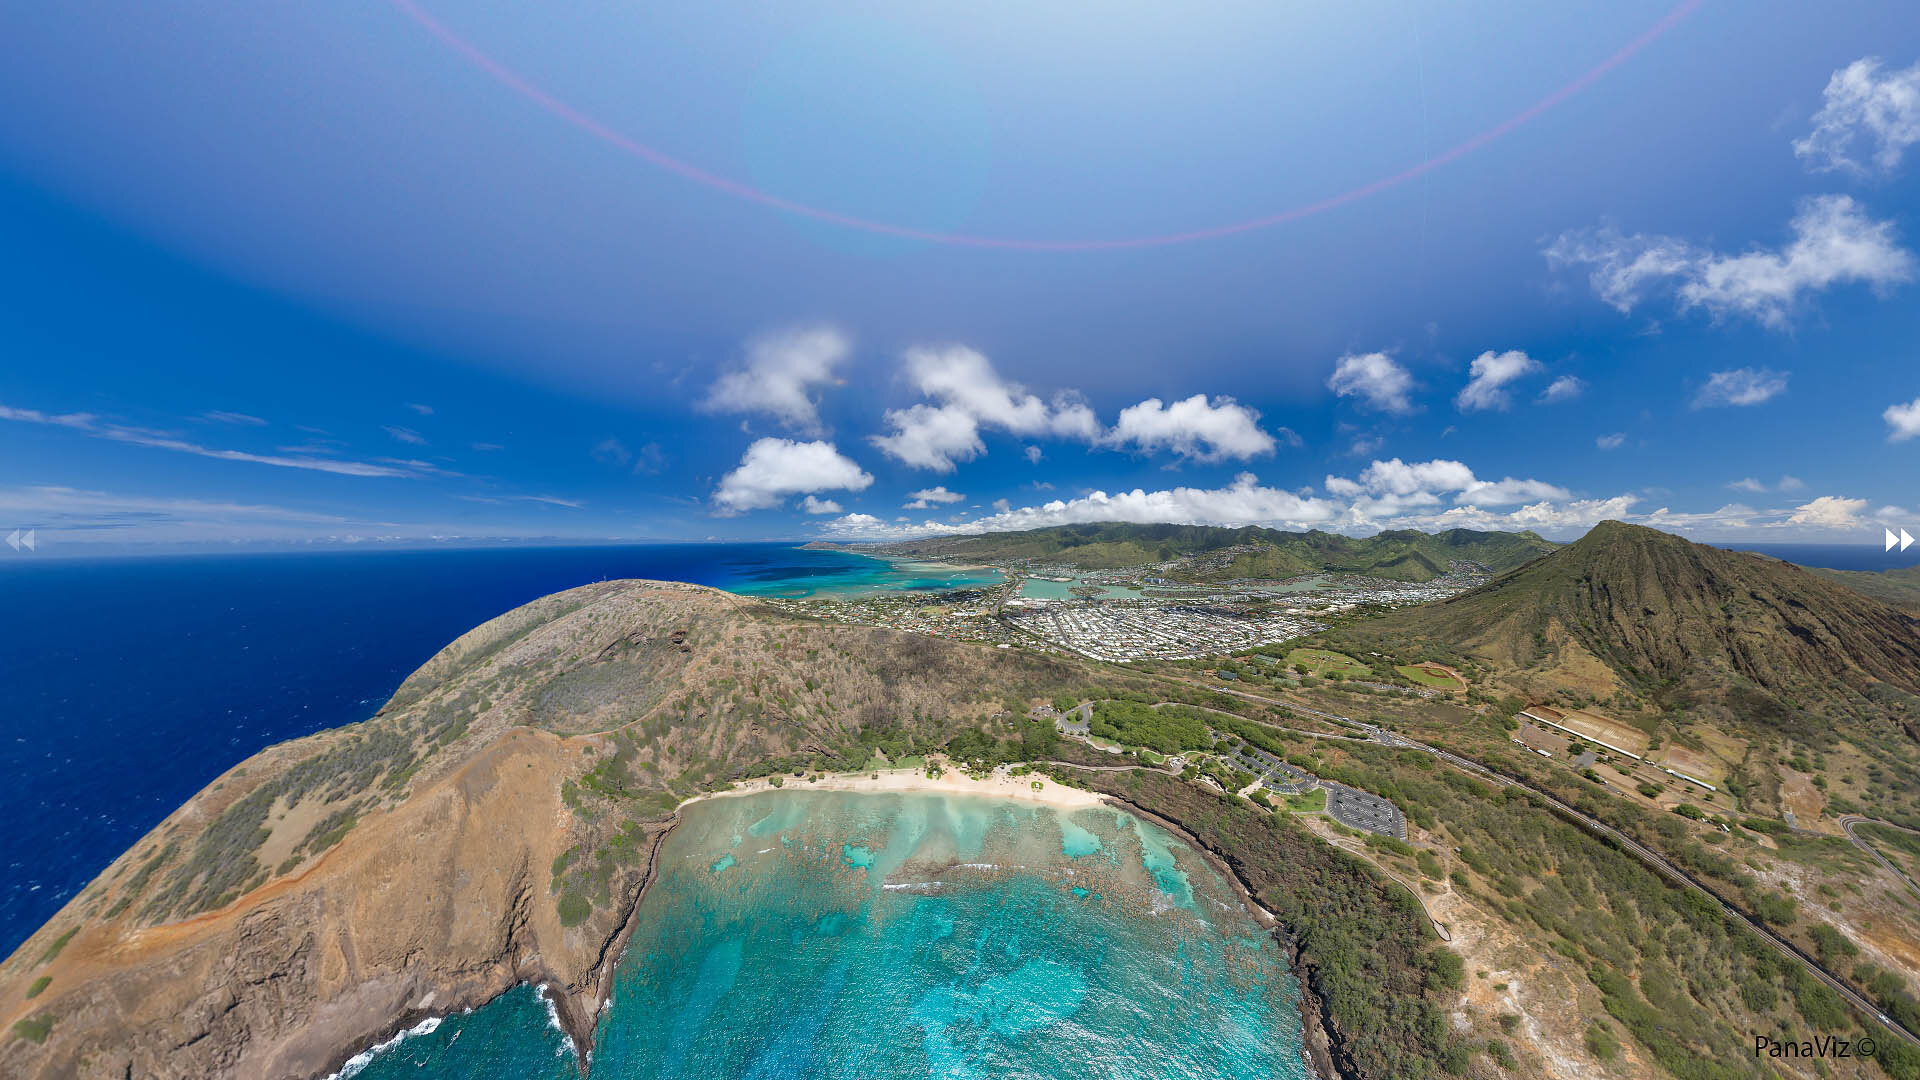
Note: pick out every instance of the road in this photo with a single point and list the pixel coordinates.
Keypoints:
(1631, 846)
(1848, 821)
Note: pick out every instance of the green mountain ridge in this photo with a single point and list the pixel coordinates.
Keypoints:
(1401, 555)
(1685, 621)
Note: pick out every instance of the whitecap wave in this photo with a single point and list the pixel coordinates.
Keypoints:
(355, 1064)
(553, 1018)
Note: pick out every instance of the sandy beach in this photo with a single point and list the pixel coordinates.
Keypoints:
(951, 782)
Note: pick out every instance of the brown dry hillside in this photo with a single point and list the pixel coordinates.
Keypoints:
(492, 824)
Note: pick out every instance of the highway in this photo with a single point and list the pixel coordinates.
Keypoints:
(1625, 843)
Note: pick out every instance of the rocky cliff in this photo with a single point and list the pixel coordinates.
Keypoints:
(493, 824)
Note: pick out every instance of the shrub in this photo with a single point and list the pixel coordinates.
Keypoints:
(574, 909)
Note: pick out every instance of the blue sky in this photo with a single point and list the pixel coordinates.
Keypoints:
(423, 270)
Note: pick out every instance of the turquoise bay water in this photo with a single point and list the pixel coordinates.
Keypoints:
(805, 573)
(1038, 589)
(839, 935)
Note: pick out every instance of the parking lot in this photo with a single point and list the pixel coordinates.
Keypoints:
(1368, 813)
(1275, 775)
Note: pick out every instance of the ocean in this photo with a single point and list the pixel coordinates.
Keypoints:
(848, 935)
(126, 685)
(1872, 557)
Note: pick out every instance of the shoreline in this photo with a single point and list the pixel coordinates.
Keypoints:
(1315, 1039)
(897, 781)
(578, 1024)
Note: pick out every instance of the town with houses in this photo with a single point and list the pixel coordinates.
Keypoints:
(1132, 614)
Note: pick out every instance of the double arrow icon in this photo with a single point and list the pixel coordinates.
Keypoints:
(17, 540)
(1903, 540)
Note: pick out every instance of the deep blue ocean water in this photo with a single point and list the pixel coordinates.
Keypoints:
(840, 935)
(1836, 556)
(126, 685)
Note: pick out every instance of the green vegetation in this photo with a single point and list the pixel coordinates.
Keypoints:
(1326, 663)
(1899, 587)
(574, 909)
(34, 1029)
(39, 984)
(1832, 945)
(59, 943)
(978, 749)
(1308, 802)
(1366, 949)
(1421, 675)
(1169, 729)
(1601, 1042)
(1775, 907)
(1400, 555)
(221, 864)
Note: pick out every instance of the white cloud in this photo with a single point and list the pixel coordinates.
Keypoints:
(550, 500)
(611, 451)
(1366, 444)
(75, 508)
(646, 461)
(423, 410)
(1242, 502)
(1834, 243)
(1374, 378)
(1391, 488)
(1611, 442)
(405, 435)
(926, 498)
(1034, 454)
(1564, 388)
(1430, 495)
(1625, 268)
(1194, 428)
(221, 416)
(91, 425)
(774, 469)
(1903, 421)
(1245, 501)
(931, 437)
(1867, 116)
(780, 375)
(1741, 386)
(970, 395)
(1491, 372)
(1787, 483)
(1571, 516)
(1829, 511)
(813, 504)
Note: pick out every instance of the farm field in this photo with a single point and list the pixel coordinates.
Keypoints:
(1437, 676)
(1323, 662)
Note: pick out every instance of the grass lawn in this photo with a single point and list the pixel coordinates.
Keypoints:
(1151, 757)
(1322, 662)
(1421, 675)
(1312, 800)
